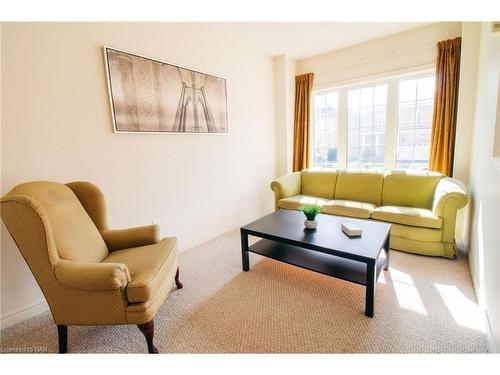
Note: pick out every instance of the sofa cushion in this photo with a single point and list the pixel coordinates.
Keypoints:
(359, 186)
(409, 188)
(298, 201)
(148, 267)
(417, 217)
(348, 208)
(319, 183)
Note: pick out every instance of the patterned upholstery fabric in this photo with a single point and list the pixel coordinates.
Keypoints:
(148, 267)
(92, 199)
(117, 239)
(75, 235)
(64, 249)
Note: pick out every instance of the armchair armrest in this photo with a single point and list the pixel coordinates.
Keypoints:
(92, 276)
(117, 239)
(286, 186)
(450, 194)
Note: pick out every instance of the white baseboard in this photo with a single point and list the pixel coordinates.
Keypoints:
(24, 314)
(42, 306)
(490, 339)
(185, 245)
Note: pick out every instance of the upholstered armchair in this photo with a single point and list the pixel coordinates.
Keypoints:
(89, 274)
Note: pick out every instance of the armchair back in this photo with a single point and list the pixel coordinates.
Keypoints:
(72, 232)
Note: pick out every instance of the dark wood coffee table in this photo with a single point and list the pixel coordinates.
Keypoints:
(325, 250)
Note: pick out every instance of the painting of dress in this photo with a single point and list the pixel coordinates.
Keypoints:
(156, 97)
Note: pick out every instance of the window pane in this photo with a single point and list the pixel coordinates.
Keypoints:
(365, 116)
(353, 117)
(416, 98)
(353, 138)
(407, 90)
(406, 115)
(380, 97)
(366, 122)
(353, 157)
(353, 99)
(325, 129)
(366, 97)
(425, 88)
(379, 116)
(424, 113)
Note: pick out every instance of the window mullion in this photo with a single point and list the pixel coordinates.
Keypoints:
(391, 125)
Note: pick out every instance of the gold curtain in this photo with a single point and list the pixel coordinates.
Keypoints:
(303, 88)
(444, 117)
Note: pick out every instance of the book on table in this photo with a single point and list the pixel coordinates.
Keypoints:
(351, 230)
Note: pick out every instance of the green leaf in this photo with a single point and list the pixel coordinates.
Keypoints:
(311, 211)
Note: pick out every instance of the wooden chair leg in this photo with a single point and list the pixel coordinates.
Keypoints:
(177, 282)
(148, 330)
(62, 333)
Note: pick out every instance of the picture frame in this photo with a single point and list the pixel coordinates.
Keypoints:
(149, 96)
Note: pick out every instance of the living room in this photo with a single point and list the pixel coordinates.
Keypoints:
(208, 139)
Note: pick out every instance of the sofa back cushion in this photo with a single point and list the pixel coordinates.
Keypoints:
(319, 183)
(75, 235)
(409, 188)
(360, 186)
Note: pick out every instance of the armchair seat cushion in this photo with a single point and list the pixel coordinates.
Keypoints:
(148, 267)
(340, 207)
(298, 201)
(417, 217)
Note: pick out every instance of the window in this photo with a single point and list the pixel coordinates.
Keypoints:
(384, 124)
(415, 106)
(366, 127)
(325, 135)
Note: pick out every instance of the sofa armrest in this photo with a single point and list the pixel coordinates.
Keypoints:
(286, 186)
(117, 239)
(91, 276)
(449, 194)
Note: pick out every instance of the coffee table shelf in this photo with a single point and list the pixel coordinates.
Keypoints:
(330, 265)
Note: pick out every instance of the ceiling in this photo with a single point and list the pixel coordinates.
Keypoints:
(304, 39)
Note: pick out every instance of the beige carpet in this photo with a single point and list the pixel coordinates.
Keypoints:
(422, 305)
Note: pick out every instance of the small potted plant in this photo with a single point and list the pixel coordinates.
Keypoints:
(311, 211)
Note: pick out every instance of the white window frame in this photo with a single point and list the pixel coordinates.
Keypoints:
(392, 81)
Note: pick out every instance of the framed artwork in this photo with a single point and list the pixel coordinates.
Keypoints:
(150, 96)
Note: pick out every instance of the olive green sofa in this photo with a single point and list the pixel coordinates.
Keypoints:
(420, 205)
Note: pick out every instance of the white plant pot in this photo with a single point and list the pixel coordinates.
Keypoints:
(310, 224)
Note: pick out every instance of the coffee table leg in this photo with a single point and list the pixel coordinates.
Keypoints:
(244, 251)
(386, 249)
(370, 289)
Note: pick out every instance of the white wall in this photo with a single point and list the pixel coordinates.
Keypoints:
(484, 257)
(56, 125)
(466, 108)
(284, 90)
